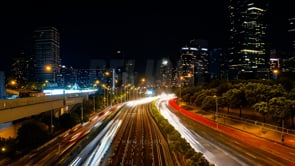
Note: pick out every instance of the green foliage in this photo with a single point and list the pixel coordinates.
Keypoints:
(291, 94)
(32, 134)
(99, 102)
(235, 97)
(261, 107)
(278, 107)
(223, 87)
(209, 103)
(254, 94)
(200, 96)
(177, 143)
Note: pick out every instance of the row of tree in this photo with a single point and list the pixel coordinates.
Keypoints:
(178, 144)
(275, 100)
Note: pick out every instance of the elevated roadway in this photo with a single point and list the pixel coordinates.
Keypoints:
(14, 109)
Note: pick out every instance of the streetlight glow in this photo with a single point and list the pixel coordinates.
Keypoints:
(48, 68)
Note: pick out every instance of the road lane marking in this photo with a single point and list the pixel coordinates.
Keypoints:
(251, 155)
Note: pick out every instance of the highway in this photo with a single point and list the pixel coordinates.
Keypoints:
(133, 139)
(221, 149)
(54, 150)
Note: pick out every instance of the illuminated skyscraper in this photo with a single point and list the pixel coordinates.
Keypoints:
(47, 54)
(288, 63)
(166, 71)
(248, 54)
(193, 62)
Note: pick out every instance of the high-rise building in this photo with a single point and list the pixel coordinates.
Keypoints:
(248, 53)
(193, 62)
(288, 63)
(150, 70)
(21, 70)
(217, 64)
(166, 71)
(47, 54)
(129, 73)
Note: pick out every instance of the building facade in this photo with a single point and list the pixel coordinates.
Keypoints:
(47, 54)
(193, 62)
(248, 53)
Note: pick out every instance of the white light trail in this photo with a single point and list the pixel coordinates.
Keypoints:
(98, 154)
(185, 133)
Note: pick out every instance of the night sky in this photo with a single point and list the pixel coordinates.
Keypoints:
(141, 30)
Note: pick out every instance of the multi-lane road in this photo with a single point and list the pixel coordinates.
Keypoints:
(139, 141)
(54, 150)
(133, 138)
(221, 149)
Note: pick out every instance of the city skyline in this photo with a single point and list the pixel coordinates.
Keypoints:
(139, 31)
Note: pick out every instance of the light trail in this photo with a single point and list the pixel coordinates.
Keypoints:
(98, 154)
(140, 101)
(192, 137)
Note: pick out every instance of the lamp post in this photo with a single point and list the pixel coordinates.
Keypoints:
(181, 78)
(216, 110)
(94, 103)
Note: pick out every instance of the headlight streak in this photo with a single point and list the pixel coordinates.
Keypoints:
(97, 155)
(192, 137)
(92, 145)
(140, 101)
(184, 132)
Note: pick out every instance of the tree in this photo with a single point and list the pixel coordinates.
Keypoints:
(200, 96)
(32, 134)
(291, 106)
(279, 108)
(261, 107)
(291, 94)
(209, 103)
(236, 99)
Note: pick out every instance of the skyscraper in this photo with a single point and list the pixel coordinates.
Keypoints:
(47, 53)
(288, 63)
(193, 62)
(248, 45)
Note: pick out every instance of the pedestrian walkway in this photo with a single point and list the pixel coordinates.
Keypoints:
(254, 128)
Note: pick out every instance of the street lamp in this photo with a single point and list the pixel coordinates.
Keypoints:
(181, 78)
(216, 110)
(275, 73)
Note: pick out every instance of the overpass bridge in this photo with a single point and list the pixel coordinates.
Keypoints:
(14, 109)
